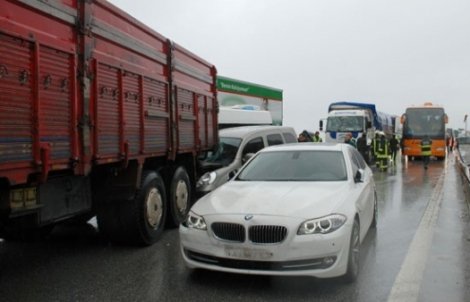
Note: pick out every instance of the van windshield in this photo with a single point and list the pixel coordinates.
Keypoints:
(225, 151)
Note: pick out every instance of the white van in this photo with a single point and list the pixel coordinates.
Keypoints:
(234, 148)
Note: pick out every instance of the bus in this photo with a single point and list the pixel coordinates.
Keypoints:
(420, 121)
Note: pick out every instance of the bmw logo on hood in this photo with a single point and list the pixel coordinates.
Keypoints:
(248, 217)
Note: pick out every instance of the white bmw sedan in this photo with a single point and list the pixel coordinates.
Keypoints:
(292, 210)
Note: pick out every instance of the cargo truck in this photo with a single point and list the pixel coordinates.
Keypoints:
(357, 118)
(99, 115)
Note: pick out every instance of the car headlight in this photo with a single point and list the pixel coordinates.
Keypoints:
(206, 179)
(194, 221)
(322, 225)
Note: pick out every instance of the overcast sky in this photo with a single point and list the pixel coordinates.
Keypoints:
(392, 53)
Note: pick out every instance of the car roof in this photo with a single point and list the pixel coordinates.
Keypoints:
(247, 130)
(309, 147)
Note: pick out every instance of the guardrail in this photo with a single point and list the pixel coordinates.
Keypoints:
(462, 156)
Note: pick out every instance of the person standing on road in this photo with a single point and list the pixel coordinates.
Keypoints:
(348, 139)
(362, 147)
(449, 143)
(426, 151)
(383, 153)
(317, 138)
(304, 137)
(375, 148)
(394, 147)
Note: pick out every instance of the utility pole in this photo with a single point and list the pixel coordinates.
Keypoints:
(465, 121)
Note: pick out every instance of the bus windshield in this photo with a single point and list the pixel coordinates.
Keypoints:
(422, 122)
(345, 124)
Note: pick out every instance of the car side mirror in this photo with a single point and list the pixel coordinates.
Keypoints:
(359, 177)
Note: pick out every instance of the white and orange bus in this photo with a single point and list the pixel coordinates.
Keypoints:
(421, 121)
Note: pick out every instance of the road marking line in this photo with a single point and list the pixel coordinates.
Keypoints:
(408, 282)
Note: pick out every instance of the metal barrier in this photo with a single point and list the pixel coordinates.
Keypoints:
(462, 156)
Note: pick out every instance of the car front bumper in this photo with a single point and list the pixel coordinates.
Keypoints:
(316, 255)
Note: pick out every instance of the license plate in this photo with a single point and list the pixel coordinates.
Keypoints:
(247, 253)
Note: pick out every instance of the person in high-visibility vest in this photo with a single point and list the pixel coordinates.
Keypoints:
(426, 151)
(316, 138)
(383, 153)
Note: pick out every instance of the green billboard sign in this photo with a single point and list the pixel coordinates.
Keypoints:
(250, 89)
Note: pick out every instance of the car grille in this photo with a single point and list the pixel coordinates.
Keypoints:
(229, 231)
(257, 234)
(267, 233)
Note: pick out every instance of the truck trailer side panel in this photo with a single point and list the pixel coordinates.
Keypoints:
(38, 100)
(94, 108)
(128, 67)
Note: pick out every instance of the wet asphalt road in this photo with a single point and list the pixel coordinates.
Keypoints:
(76, 264)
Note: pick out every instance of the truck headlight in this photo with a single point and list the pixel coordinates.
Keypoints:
(206, 179)
(322, 225)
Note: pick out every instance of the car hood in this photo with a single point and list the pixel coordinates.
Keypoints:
(294, 199)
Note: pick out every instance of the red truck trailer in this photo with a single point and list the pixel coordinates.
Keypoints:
(99, 115)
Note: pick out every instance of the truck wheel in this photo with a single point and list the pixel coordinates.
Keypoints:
(108, 220)
(150, 209)
(140, 220)
(180, 196)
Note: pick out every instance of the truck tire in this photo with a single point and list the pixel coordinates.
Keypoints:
(138, 221)
(147, 212)
(108, 220)
(180, 196)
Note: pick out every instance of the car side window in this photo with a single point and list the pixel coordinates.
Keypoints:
(356, 160)
(253, 146)
(289, 137)
(360, 160)
(274, 139)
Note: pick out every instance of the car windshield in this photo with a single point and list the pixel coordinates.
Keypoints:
(225, 151)
(289, 165)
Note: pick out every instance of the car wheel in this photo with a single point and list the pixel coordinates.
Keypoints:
(180, 196)
(376, 212)
(353, 255)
